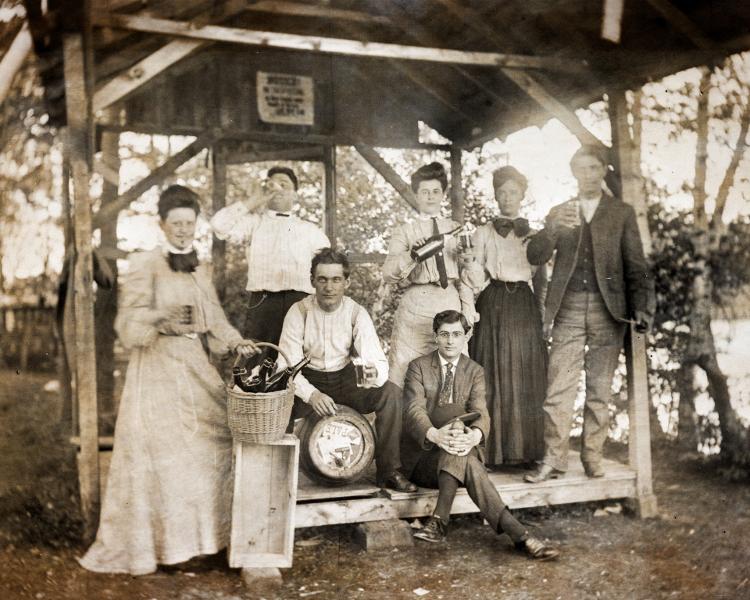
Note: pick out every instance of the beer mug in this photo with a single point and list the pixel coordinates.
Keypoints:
(464, 241)
(365, 379)
(186, 314)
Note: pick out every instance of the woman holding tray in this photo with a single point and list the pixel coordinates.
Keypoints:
(168, 493)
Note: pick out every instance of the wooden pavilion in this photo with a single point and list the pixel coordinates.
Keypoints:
(291, 80)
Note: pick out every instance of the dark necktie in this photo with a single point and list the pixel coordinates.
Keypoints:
(445, 391)
(183, 263)
(439, 258)
(503, 226)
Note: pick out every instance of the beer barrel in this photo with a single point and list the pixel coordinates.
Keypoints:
(338, 449)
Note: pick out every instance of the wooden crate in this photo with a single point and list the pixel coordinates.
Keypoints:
(263, 509)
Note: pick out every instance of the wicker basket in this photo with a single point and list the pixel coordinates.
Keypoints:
(259, 418)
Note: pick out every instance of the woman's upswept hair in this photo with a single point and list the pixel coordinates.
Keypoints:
(508, 173)
(428, 172)
(177, 196)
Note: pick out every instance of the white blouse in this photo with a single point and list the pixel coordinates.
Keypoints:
(498, 257)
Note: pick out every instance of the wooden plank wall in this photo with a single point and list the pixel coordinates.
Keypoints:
(216, 89)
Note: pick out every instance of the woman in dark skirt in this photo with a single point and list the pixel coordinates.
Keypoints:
(508, 340)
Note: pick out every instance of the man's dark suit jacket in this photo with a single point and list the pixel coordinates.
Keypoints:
(621, 270)
(422, 386)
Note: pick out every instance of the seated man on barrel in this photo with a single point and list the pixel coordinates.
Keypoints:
(331, 328)
(446, 420)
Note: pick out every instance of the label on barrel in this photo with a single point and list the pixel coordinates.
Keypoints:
(340, 444)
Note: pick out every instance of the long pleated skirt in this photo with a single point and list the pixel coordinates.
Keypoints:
(509, 344)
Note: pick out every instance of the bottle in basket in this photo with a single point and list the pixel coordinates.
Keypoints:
(266, 369)
(280, 380)
(256, 383)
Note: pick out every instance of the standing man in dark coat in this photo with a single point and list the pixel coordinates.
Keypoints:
(446, 419)
(601, 281)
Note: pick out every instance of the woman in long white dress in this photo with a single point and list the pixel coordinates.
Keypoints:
(168, 494)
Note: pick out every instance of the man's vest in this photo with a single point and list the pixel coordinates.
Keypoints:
(583, 278)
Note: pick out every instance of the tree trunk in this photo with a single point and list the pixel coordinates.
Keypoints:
(687, 424)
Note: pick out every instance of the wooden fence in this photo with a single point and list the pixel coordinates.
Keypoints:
(29, 337)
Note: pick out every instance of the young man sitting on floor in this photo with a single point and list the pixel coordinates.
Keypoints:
(330, 328)
(445, 421)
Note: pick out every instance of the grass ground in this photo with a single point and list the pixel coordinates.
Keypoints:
(698, 548)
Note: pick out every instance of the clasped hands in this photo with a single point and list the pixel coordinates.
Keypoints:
(455, 438)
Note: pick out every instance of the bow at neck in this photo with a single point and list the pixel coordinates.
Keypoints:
(504, 225)
(181, 261)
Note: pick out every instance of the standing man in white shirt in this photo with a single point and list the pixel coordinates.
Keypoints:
(331, 328)
(600, 282)
(279, 249)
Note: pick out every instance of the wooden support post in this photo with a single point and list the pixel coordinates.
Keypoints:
(329, 213)
(632, 186)
(386, 171)
(639, 437)
(612, 20)
(65, 322)
(219, 201)
(633, 192)
(77, 99)
(457, 190)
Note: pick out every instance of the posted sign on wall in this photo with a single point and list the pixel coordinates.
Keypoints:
(285, 98)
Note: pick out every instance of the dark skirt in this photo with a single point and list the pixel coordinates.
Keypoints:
(508, 343)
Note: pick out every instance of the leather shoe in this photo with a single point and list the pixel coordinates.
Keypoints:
(536, 549)
(593, 470)
(397, 482)
(543, 473)
(433, 531)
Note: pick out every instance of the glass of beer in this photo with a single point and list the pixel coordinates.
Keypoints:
(362, 370)
(573, 212)
(186, 314)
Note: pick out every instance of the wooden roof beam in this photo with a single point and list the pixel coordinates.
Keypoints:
(328, 45)
(296, 9)
(378, 163)
(416, 76)
(157, 176)
(143, 71)
(682, 23)
(403, 20)
(531, 86)
(150, 66)
(309, 153)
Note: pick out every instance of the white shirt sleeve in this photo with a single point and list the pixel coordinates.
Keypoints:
(292, 343)
(235, 222)
(367, 345)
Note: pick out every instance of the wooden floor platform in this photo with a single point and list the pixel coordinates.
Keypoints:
(363, 501)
